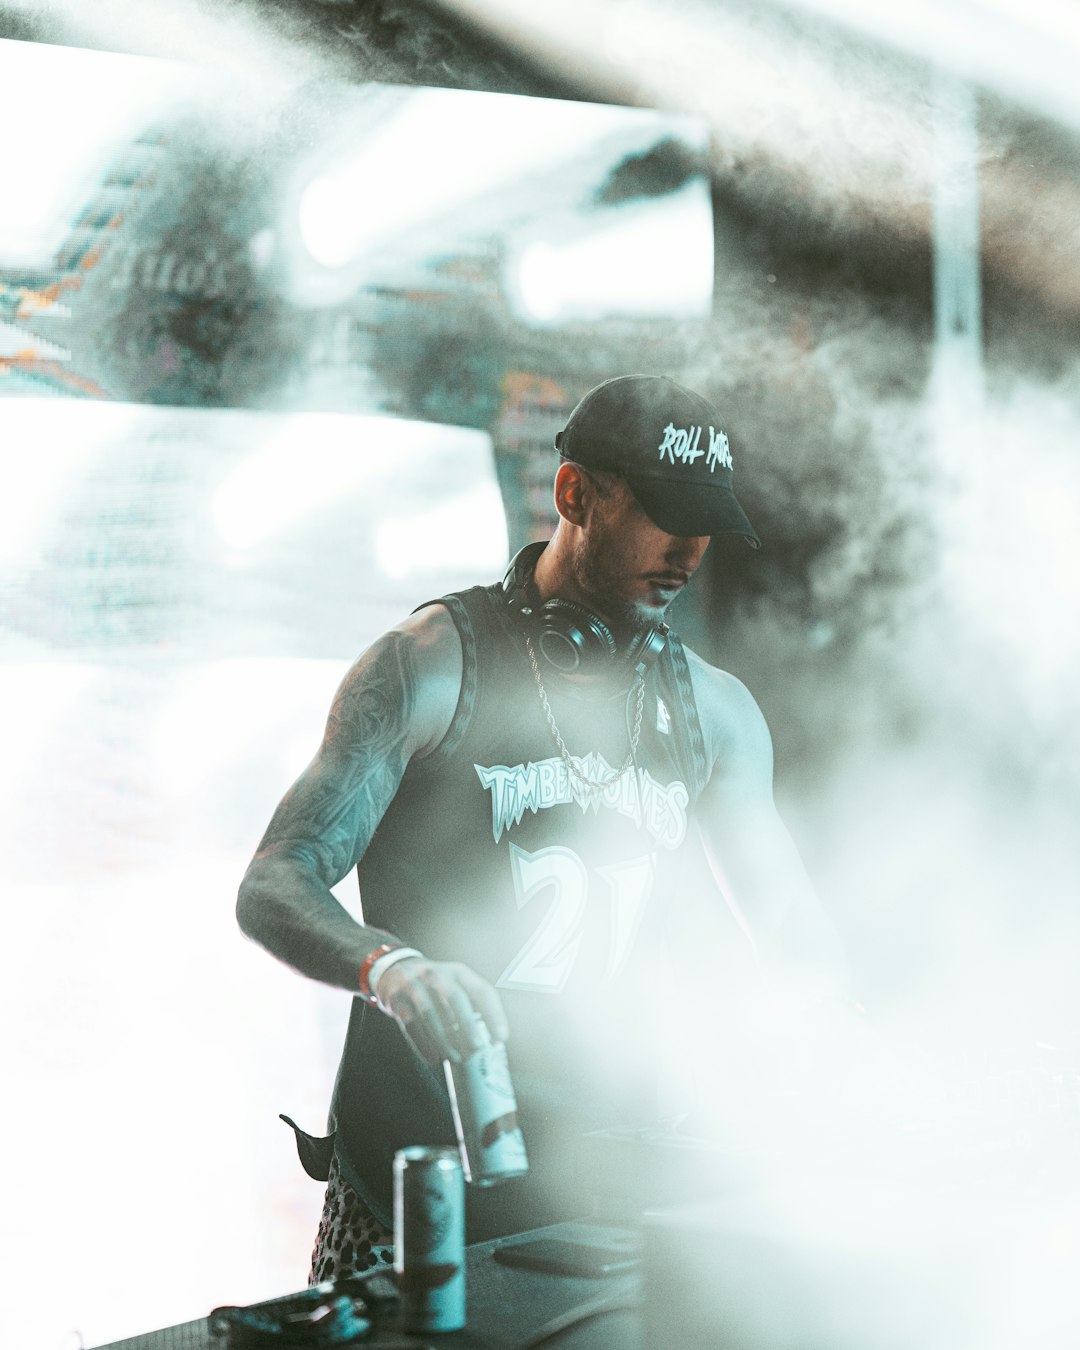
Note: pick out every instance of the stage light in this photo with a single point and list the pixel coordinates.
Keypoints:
(328, 211)
(438, 149)
(646, 259)
(541, 281)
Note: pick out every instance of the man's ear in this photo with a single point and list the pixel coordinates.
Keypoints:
(571, 489)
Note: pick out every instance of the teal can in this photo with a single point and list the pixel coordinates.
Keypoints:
(429, 1238)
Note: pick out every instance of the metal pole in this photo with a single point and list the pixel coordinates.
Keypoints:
(958, 364)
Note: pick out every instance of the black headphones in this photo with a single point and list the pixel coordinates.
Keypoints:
(572, 639)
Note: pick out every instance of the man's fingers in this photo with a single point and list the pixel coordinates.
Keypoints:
(486, 1002)
(460, 1017)
(440, 1003)
(419, 1014)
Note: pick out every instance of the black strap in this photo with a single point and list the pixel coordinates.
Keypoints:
(689, 740)
(470, 677)
(459, 610)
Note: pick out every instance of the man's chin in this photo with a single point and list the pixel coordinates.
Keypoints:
(636, 614)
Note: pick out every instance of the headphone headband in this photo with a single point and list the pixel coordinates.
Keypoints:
(518, 581)
(575, 641)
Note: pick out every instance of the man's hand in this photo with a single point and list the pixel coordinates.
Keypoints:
(438, 1003)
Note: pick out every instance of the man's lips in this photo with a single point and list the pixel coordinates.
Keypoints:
(668, 579)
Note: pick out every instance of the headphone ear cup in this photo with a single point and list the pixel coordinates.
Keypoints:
(577, 642)
(573, 639)
(645, 647)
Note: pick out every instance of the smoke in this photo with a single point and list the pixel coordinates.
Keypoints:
(910, 628)
(910, 631)
(914, 643)
(238, 38)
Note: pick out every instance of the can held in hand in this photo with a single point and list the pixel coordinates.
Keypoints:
(485, 1115)
(429, 1238)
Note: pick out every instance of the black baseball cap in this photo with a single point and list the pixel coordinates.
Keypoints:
(668, 444)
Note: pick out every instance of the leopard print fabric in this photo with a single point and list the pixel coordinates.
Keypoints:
(350, 1238)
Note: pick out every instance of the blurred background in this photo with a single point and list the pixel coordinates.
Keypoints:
(292, 302)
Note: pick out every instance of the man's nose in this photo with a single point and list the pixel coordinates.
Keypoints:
(687, 550)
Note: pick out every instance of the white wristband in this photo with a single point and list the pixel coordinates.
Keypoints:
(383, 964)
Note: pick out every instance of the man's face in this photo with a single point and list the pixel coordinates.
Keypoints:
(628, 569)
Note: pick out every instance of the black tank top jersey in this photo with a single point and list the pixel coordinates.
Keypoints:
(493, 854)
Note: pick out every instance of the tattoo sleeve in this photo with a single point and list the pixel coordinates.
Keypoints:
(327, 818)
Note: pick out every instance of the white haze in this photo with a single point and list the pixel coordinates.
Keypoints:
(938, 803)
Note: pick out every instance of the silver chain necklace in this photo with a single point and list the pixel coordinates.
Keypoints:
(568, 760)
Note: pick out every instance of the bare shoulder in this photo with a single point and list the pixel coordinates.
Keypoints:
(406, 684)
(436, 642)
(396, 702)
(734, 728)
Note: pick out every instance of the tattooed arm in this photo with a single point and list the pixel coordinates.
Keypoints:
(395, 703)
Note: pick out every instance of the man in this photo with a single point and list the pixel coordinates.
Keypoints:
(514, 772)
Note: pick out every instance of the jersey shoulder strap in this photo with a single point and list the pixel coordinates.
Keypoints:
(481, 615)
(688, 739)
(472, 612)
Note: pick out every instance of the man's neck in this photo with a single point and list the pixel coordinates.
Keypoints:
(552, 576)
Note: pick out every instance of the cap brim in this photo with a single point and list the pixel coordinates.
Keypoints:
(692, 509)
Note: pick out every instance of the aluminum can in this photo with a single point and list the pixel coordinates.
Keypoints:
(429, 1238)
(482, 1098)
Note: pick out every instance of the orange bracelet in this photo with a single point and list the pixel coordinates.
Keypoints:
(368, 962)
